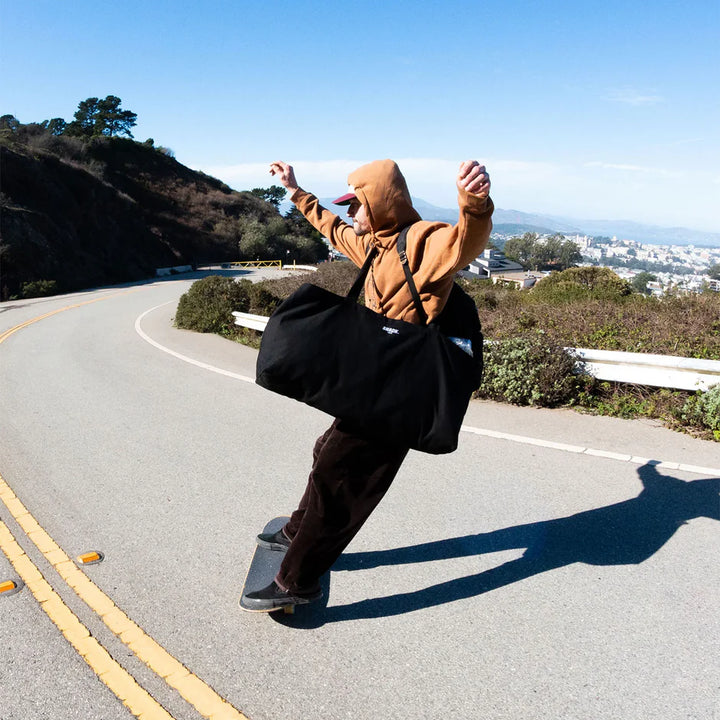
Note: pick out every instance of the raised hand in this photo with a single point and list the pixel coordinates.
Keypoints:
(474, 179)
(285, 174)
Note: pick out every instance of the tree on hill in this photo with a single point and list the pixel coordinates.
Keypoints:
(9, 123)
(274, 194)
(553, 253)
(300, 226)
(521, 249)
(714, 272)
(56, 126)
(96, 118)
(641, 280)
(564, 253)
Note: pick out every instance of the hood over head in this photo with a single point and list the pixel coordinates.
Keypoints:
(381, 188)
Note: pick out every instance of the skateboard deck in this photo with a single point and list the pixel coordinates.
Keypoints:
(264, 566)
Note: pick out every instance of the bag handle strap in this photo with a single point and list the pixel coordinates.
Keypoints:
(401, 248)
(357, 286)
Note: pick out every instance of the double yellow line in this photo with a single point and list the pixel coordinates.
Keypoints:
(7, 333)
(140, 703)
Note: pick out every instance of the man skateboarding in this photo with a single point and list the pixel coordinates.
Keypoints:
(351, 472)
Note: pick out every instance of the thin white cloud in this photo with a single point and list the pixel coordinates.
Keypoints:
(623, 167)
(432, 179)
(615, 166)
(318, 176)
(591, 189)
(635, 98)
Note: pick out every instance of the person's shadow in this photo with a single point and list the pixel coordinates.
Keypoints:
(625, 533)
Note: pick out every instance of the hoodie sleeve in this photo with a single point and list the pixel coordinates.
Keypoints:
(450, 248)
(341, 235)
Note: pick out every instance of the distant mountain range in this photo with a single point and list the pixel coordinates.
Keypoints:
(515, 221)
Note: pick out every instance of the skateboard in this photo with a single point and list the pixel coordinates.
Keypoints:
(264, 566)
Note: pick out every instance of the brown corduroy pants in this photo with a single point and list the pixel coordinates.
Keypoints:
(349, 477)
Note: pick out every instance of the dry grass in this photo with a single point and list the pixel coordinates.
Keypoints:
(688, 326)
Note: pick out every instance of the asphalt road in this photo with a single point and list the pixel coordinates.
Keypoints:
(556, 566)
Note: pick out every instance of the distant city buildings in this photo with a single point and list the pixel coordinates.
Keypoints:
(684, 267)
(492, 264)
(678, 268)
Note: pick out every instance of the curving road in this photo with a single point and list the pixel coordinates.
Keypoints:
(556, 566)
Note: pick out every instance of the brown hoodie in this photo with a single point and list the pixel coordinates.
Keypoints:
(435, 250)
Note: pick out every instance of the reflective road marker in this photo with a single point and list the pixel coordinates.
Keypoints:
(90, 558)
(10, 587)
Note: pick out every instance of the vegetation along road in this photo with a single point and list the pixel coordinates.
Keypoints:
(557, 565)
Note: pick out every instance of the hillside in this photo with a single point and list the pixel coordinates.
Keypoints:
(112, 210)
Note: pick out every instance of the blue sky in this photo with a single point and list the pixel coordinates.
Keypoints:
(585, 109)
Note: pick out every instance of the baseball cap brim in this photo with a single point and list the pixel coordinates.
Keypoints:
(345, 199)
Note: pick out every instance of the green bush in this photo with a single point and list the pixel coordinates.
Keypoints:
(262, 300)
(336, 277)
(703, 410)
(528, 371)
(208, 305)
(582, 282)
(39, 288)
(710, 402)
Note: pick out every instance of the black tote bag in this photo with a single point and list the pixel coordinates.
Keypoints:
(398, 382)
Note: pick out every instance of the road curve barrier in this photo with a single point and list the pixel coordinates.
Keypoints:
(254, 322)
(668, 371)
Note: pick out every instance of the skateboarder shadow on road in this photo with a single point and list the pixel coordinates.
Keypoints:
(625, 533)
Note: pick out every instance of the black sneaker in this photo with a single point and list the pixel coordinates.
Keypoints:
(273, 597)
(274, 541)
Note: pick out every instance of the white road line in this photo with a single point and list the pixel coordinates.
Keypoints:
(185, 358)
(635, 459)
(523, 440)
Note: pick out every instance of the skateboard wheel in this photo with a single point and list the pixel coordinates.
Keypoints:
(289, 609)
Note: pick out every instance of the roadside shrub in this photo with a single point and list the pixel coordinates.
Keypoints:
(528, 371)
(336, 277)
(208, 305)
(581, 282)
(628, 401)
(488, 296)
(688, 326)
(39, 288)
(261, 300)
(710, 403)
(703, 410)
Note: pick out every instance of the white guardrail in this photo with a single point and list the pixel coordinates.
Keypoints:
(666, 371)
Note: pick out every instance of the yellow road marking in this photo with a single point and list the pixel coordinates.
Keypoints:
(200, 695)
(7, 333)
(133, 696)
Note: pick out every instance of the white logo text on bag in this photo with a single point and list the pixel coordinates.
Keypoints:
(390, 330)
